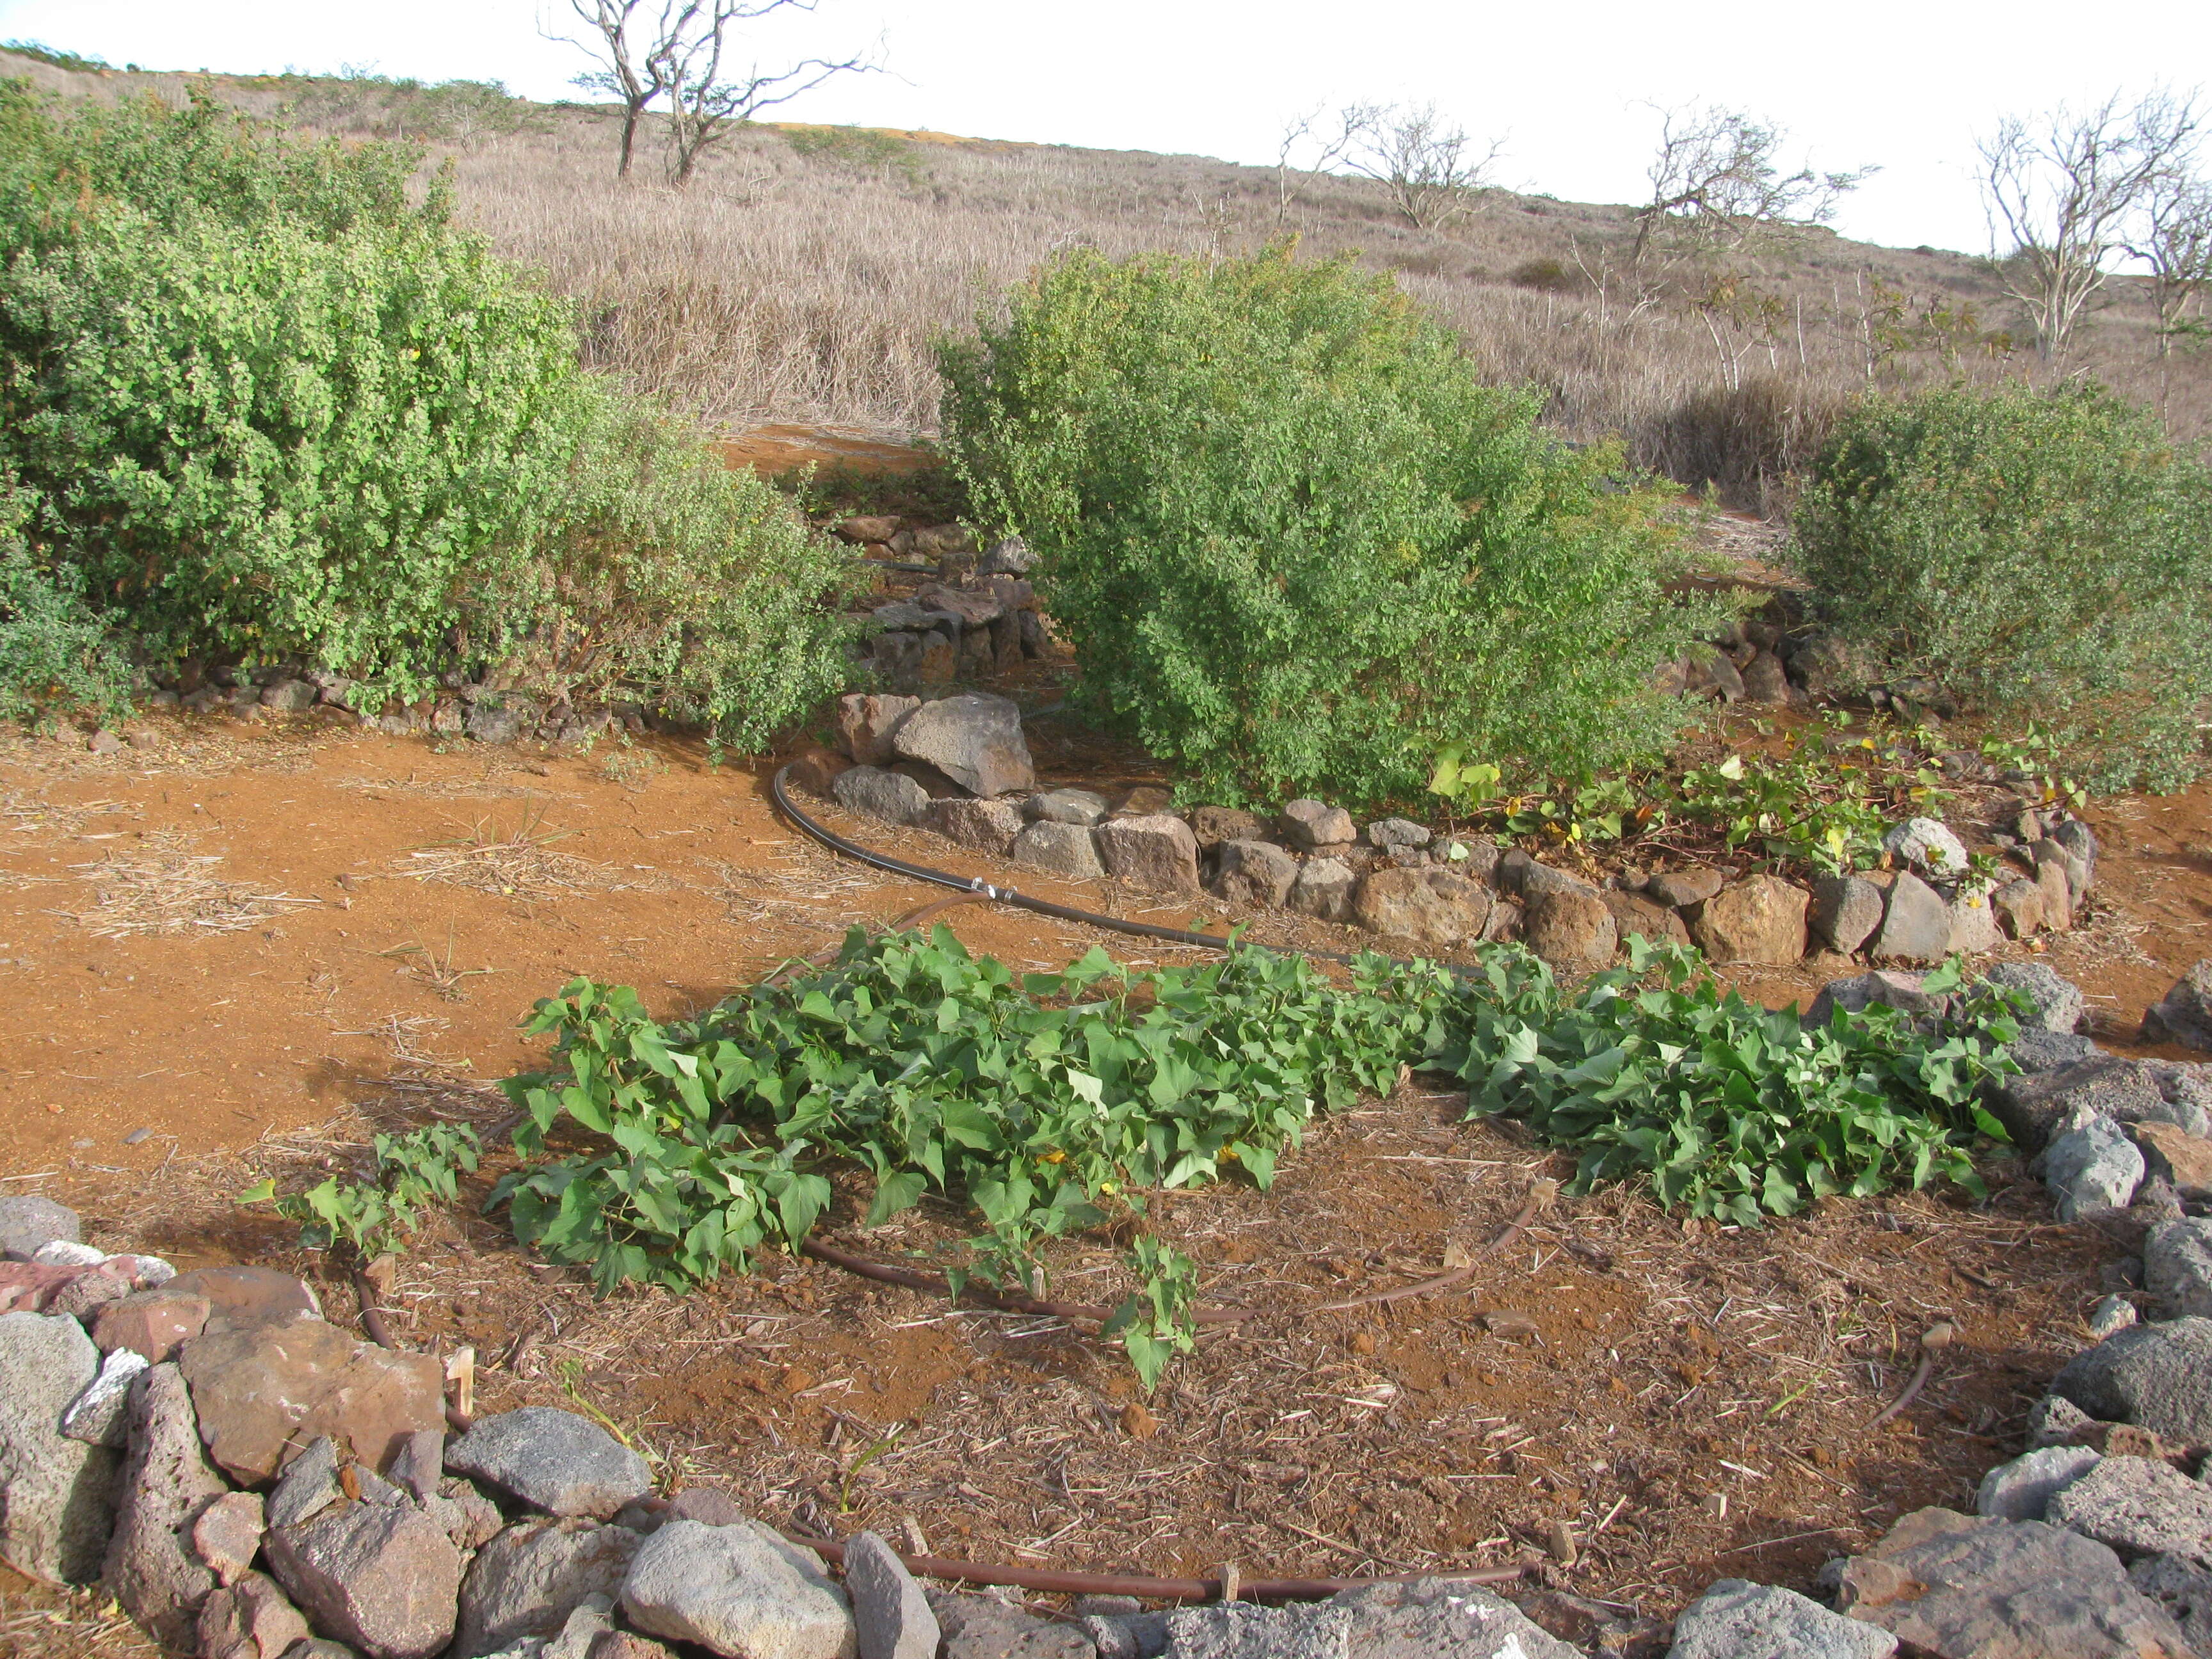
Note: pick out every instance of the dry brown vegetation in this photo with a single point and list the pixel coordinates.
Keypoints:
(807, 272)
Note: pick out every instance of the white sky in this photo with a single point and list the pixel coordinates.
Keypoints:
(1904, 86)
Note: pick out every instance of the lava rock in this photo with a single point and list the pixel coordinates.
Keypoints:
(1915, 926)
(1431, 907)
(2177, 1268)
(1082, 806)
(890, 1611)
(529, 1579)
(873, 793)
(100, 1416)
(250, 1620)
(1399, 832)
(241, 1297)
(2034, 1108)
(2037, 1052)
(1928, 846)
(2183, 1014)
(2095, 1166)
(1574, 933)
(1244, 1629)
(1438, 1618)
(382, 1578)
(973, 739)
(1059, 850)
(2183, 1588)
(2181, 1159)
(865, 725)
(553, 1461)
(1759, 920)
(1528, 880)
(1156, 853)
(1974, 930)
(2156, 1377)
(1310, 824)
(56, 1494)
(1215, 824)
(151, 1567)
(152, 1324)
(227, 1534)
(1736, 1620)
(989, 826)
(1254, 873)
(1845, 911)
(1324, 889)
(2022, 1489)
(2058, 1001)
(1633, 914)
(741, 1591)
(2111, 1312)
(1684, 888)
(1890, 988)
(27, 1221)
(2055, 1420)
(263, 1390)
(979, 1627)
(1951, 1584)
(2139, 1506)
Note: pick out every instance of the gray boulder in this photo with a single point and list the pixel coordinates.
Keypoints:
(1974, 929)
(2095, 1166)
(1928, 846)
(1324, 889)
(250, 1619)
(1737, 1620)
(1431, 907)
(308, 1485)
(529, 1579)
(1307, 824)
(1438, 1618)
(988, 826)
(1890, 988)
(2186, 1088)
(1681, 888)
(740, 1591)
(27, 1221)
(1915, 925)
(2183, 1014)
(875, 793)
(1845, 911)
(2034, 1108)
(1244, 1629)
(973, 739)
(2055, 1420)
(2183, 1588)
(890, 1611)
(866, 723)
(1526, 879)
(2177, 1268)
(2156, 1377)
(1155, 852)
(2111, 1312)
(2037, 1052)
(1399, 832)
(56, 1493)
(152, 1568)
(1254, 873)
(2022, 1489)
(1081, 806)
(2058, 1004)
(383, 1578)
(981, 1628)
(1059, 850)
(2139, 1506)
(1951, 1584)
(553, 1461)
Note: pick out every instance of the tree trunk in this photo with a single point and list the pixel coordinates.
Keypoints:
(630, 139)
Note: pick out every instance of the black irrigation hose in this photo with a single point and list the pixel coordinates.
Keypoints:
(884, 861)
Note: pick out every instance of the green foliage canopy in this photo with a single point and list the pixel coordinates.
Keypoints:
(2046, 555)
(1298, 544)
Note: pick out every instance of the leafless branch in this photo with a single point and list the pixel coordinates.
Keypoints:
(1716, 179)
(705, 105)
(1427, 165)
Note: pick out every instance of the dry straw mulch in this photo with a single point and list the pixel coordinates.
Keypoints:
(161, 885)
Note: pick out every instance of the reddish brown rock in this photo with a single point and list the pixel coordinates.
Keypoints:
(1760, 919)
(384, 1580)
(1431, 907)
(151, 1568)
(815, 770)
(1156, 853)
(153, 1323)
(2171, 1153)
(265, 1391)
(31, 1286)
(869, 527)
(240, 1296)
(1215, 824)
(2019, 907)
(1683, 887)
(250, 1620)
(1574, 933)
(1633, 912)
(226, 1535)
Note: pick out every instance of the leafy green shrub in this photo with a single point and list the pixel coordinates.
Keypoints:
(62, 60)
(56, 653)
(412, 1171)
(272, 411)
(2046, 555)
(1297, 545)
(1725, 1107)
(1546, 274)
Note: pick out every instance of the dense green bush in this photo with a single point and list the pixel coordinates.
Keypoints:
(2046, 555)
(271, 410)
(55, 653)
(1298, 546)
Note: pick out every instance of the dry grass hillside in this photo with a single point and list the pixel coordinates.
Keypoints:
(806, 273)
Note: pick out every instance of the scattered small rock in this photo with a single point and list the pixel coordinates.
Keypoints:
(553, 1461)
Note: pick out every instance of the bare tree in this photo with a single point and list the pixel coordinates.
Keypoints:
(1299, 131)
(628, 69)
(1428, 165)
(2175, 240)
(1716, 179)
(2064, 189)
(704, 102)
